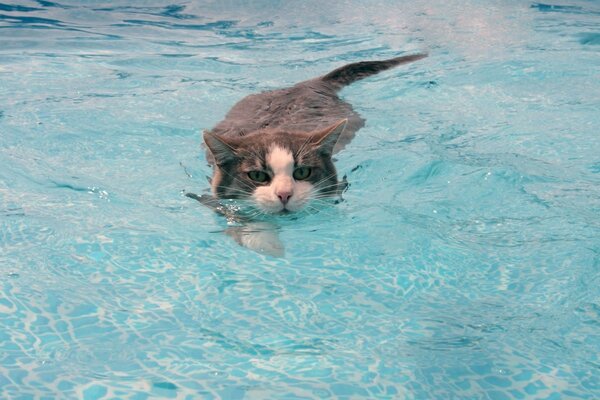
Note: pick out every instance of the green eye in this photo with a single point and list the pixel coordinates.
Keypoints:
(301, 173)
(258, 176)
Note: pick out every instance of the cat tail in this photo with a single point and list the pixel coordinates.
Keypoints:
(352, 72)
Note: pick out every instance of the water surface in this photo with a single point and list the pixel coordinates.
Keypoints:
(463, 263)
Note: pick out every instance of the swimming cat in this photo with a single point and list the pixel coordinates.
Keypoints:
(274, 148)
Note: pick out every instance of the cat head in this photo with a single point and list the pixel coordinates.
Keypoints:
(278, 171)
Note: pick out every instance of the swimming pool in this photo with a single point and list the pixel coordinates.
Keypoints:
(463, 263)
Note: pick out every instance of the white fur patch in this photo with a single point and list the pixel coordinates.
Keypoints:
(281, 163)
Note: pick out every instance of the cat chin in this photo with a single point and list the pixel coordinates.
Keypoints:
(278, 209)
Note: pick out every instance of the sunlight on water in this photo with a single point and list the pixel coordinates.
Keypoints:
(463, 262)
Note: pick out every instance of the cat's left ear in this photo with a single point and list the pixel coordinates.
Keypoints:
(327, 138)
(221, 150)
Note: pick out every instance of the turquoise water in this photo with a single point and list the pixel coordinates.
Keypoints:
(463, 263)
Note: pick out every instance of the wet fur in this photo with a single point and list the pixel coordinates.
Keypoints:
(308, 119)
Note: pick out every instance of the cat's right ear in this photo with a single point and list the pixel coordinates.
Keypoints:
(327, 138)
(219, 148)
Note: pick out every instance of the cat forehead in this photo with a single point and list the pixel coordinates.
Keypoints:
(280, 160)
(273, 156)
(260, 144)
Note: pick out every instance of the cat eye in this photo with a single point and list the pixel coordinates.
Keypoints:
(302, 173)
(258, 176)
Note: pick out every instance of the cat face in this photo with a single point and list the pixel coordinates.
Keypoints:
(278, 171)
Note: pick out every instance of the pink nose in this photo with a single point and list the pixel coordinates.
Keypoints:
(284, 196)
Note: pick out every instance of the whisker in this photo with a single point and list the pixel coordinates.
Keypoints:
(303, 151)
(318, 188)
(329, 190)
(326, 178)
(242, 191)
(247, 185)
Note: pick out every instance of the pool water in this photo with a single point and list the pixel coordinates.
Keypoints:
(464, 261)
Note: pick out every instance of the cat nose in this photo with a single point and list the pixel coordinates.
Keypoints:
(284, 196)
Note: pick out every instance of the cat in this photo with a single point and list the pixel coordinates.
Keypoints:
(274, 148)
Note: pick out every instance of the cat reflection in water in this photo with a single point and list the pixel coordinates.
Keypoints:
(274, 149)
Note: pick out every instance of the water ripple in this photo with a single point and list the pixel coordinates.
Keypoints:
(462, 263)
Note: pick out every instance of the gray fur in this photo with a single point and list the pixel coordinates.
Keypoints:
(308, 118)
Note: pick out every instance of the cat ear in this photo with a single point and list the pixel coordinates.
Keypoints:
(327, 138)
(218, 147)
